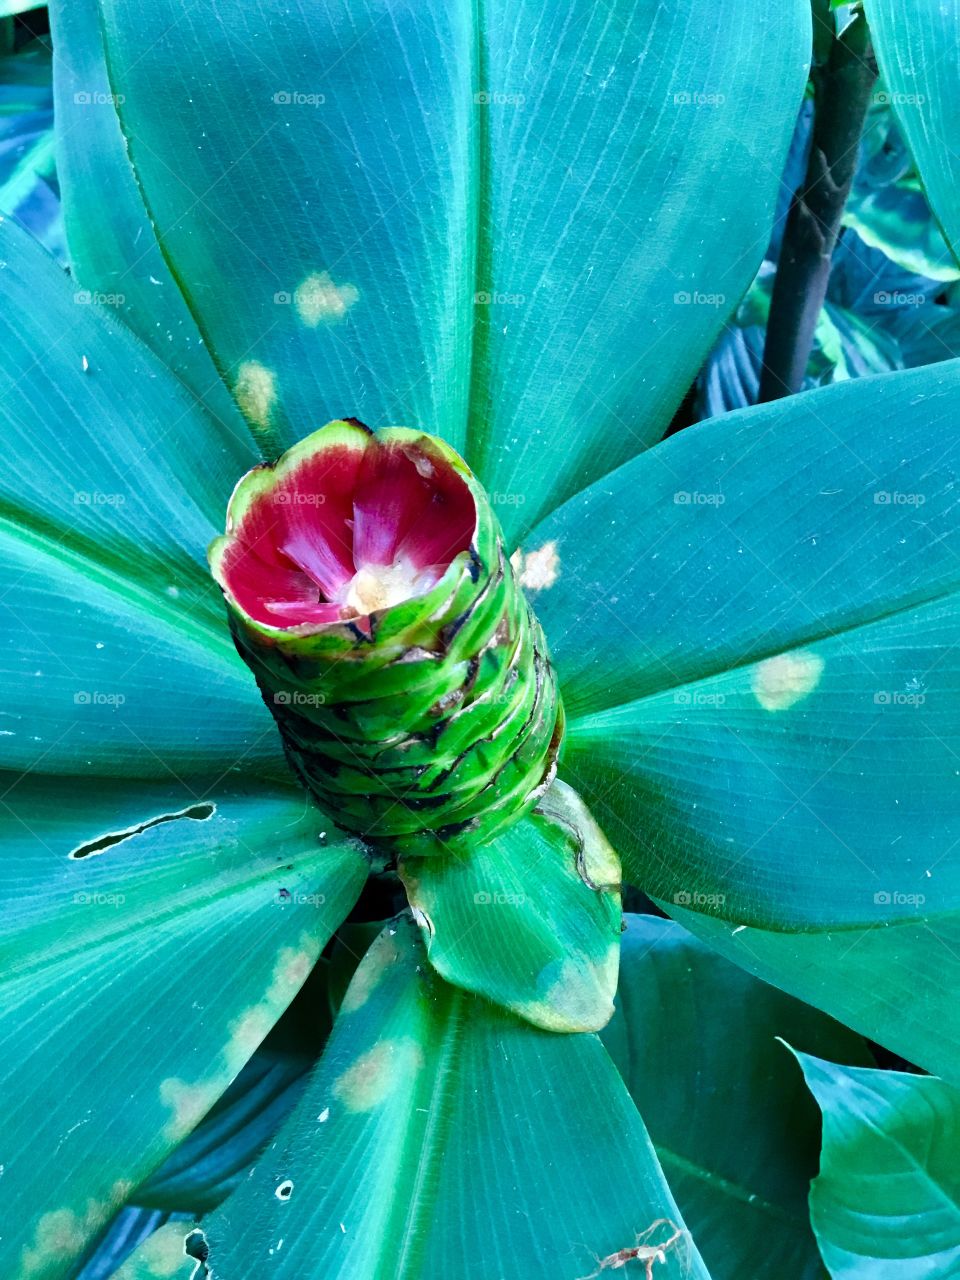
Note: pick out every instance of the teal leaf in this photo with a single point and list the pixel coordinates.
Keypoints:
(531, 919)
(406, 1156)
(886, 1203)
(115, 482)
(451, 216)
(893, 982)
(161, 954)
(119, 259)
(919, 62)
(757, 646)
(694, 1039)
(211, 1161)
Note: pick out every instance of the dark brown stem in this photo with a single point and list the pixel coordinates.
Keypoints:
(842, 88)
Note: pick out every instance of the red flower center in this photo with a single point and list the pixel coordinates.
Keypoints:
(347, 529)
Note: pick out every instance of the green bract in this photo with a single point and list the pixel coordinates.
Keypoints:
(423, 706)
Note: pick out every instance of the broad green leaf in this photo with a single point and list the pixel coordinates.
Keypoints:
(104, 448)
(106, 674)
(695, 1041)
(530, 920)
(117, 656)
(757, 647)
(895, 983)
(116, 256)
(886, 1203)
(439, 1136)
(208, 1165)
(919, 56)
(161, 959)
(452, 216)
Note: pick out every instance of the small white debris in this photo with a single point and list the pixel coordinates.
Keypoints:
(324, 1115)
(85, 363)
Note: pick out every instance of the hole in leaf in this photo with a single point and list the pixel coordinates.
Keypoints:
(198, 812)
(284, 1190)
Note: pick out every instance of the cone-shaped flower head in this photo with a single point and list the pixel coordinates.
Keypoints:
(370, 593)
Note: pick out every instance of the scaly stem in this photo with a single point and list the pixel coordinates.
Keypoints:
(842, 88)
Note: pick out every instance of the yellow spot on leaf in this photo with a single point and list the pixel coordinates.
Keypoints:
(62, 1234)
(190, 1102)
(781, 682)
(161, 1256)
(318, 299)
(376, 1073)
(372, 968)
(538, 569)
(255, 390)
(580, 993)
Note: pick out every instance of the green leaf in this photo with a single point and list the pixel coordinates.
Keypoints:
(162, 1256)
(453, 217)
(208, 1165)
(783, 656)
(530, 919)
(161, 959)
(895, 983)
(740, 1149)
(886, 1204)
(425, 1146)
(919, 58)
(112, 484)
(119, 258)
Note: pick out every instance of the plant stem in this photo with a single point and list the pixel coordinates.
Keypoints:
(842, 88)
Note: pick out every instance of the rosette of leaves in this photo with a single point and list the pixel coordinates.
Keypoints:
(517, 230)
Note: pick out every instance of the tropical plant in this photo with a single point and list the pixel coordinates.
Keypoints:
(317, 856)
